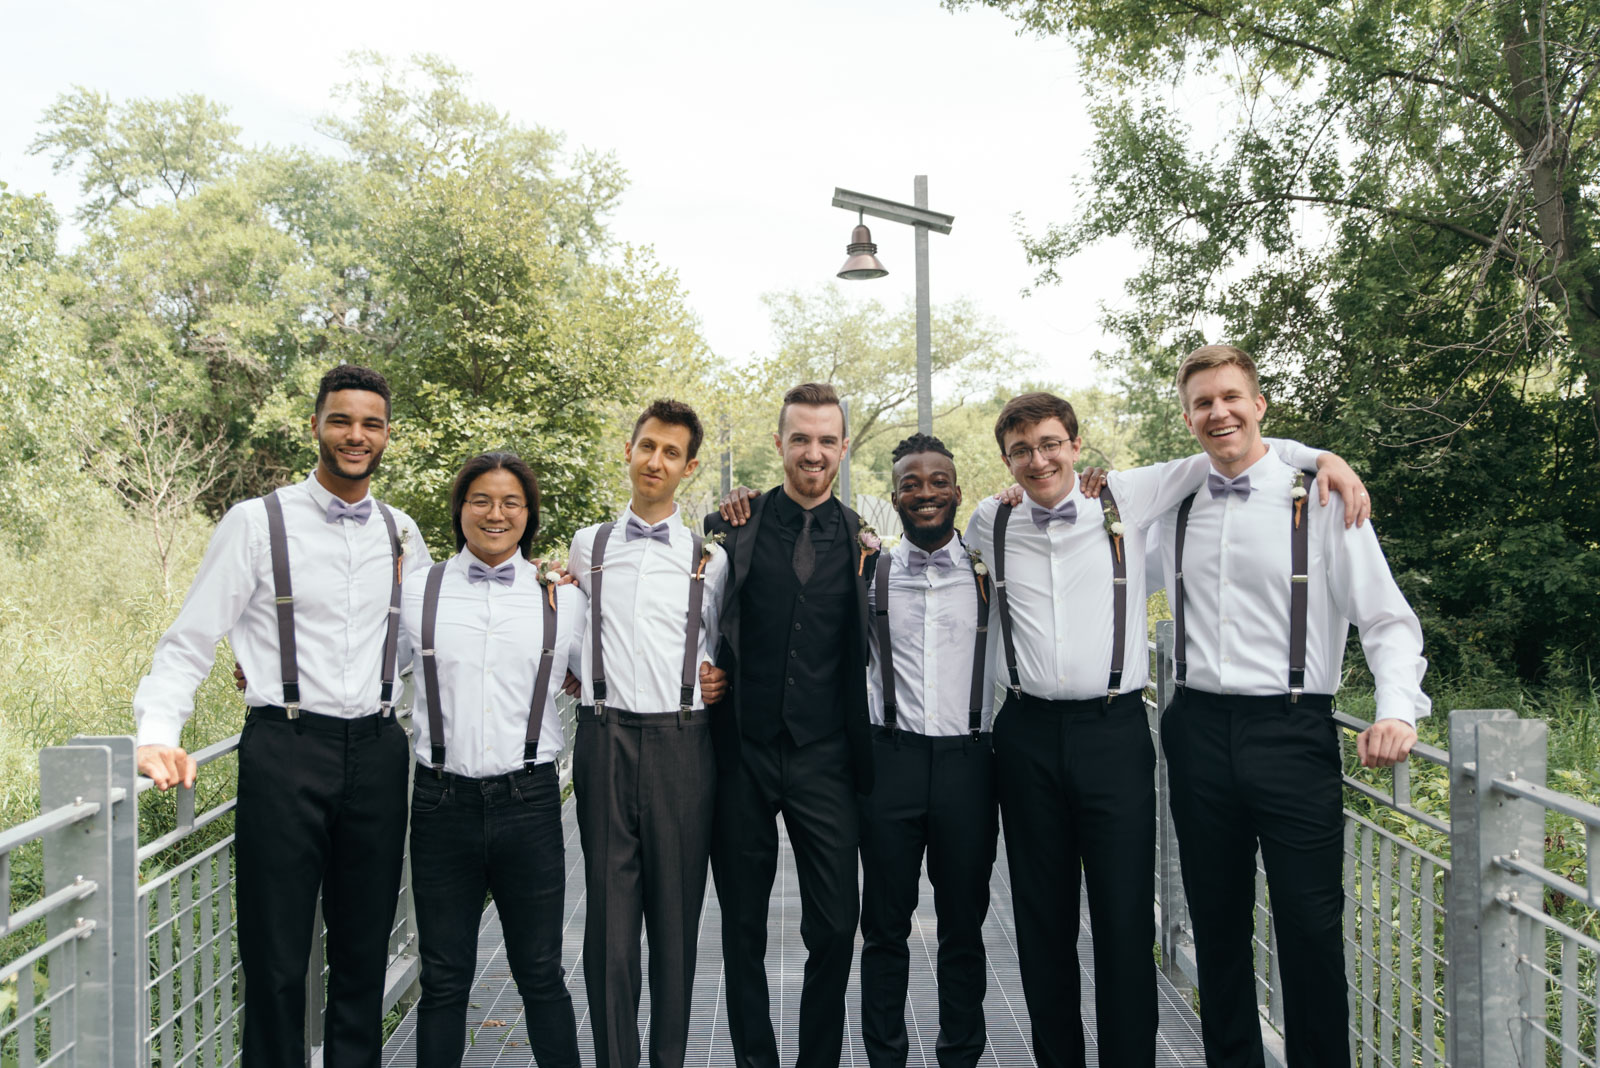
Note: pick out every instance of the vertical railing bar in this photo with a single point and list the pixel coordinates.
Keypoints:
(1349, 920)
(208, 1015)
(1570, 1022)
(167, 1031)
(225, 873)
(27, 1032)
(1369, 935)
(1408, 959)
(185, 925)
(1386, 981)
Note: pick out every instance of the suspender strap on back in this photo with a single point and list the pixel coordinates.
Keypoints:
(1119, 602)
(891, 707)
(1180, 663)
(541, 686)
(691, 641)
(283, 594)
(597, 569)
(980, 650)
(391, 635)
(430, 669)
(1001, 516)
(1299, 582)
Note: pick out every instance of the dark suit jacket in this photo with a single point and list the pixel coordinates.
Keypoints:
(726, 715)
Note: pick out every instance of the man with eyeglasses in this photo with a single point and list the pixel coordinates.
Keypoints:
(1074, 759)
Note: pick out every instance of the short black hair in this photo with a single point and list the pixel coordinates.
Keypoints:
(349, 376)
(676, 413)
(920, 442)
(482, 464)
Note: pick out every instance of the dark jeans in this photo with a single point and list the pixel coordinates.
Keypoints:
(1077, 789)
(322, 804)
(643, 785)
(471, 837)
(933, 795)
(813, 786)
(1245, 770)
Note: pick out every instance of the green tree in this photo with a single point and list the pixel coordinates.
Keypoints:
(1396, 216)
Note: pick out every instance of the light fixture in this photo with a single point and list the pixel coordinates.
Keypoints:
(863, 262)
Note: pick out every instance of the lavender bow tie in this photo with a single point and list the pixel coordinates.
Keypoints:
(503, 575)
(361, 511)
(918, 561)
(1221, 487)
(1066, 511)
(637, 528)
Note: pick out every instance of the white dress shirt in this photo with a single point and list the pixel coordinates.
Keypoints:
(643, 618)
(1059, 580)
(1236, 567)
(487, 641)
(933, 623)
(342, 574)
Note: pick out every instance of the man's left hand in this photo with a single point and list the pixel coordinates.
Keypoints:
(1339, 477)
(571, 686)
(1385, 743)
(713, 683)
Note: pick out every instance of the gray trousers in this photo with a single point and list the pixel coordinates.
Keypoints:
(644, 787)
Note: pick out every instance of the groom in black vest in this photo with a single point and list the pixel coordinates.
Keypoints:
(793, 734)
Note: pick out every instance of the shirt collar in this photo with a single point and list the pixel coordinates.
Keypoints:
(465, 558)
(951, 548)
(790, 512)
(321, 494)
(1258, 471)
(1072, 494)
(673, 521)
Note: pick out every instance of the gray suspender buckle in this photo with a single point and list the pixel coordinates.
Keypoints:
(283, 600)
(1111, 695)
(1299, 578)
(599, 707)
(1295, 692)
(292, 710)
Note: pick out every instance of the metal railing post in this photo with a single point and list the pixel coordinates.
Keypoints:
(128, 959)
(1463, 993)
(1509, 827)
(81, 853)
(1169, 876)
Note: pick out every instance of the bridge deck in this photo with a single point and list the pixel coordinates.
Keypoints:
(498, 1038)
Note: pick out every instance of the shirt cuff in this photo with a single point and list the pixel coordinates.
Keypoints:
(157, 729)
(1396, 702)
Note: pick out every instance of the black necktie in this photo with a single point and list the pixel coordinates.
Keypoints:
(805, 554)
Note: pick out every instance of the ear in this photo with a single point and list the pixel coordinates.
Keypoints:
(1261, 406)
(844, 448)
(313, 424)
(958, 496)
(777, 443)
(690, 467)
(627, 451)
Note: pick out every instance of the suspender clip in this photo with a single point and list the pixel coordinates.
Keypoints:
(976, 732)
(292, 710)
(385, 709)
(1111, 695)
(599, 707)
(1294, 693)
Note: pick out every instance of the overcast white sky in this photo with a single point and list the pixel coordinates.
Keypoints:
(735, 121)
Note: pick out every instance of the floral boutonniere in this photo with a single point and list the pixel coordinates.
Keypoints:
(400, 560)
(1297, 492)
(1114, 527)
(980, 569)
(550, 573)
(870, 543)
(710, 549)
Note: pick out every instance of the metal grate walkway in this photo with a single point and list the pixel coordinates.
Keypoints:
(497, 1038)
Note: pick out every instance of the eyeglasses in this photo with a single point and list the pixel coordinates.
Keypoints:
(1047, 449)
(508, 506)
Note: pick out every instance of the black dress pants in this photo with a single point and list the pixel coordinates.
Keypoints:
(933, 795)
(322, 804)
(1248, 770)
(814, 788)
(644, 786)
(501, 837)
(1077, 788)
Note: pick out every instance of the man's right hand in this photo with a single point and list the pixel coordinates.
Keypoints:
(735, 507)
(166, 766)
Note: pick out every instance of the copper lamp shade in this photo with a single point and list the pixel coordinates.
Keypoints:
(863, 262)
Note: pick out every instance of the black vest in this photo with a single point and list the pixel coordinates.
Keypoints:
(795, 641)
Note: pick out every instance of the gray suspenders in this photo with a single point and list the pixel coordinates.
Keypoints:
(1119, 602)
(1299, 581)
(283, 595)
(886, 653)
(430, 675)
(691, 643)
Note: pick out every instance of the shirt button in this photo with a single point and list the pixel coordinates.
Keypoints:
(791, 680)
(802, 598)
(1227, 660)
(793, 654)
(797, 626)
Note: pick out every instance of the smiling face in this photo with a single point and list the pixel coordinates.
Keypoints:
(926, 496)
(494, 515)
(811, 441)
(352, 430)
(658, 459)
(1044, 478)
(1223, 410)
